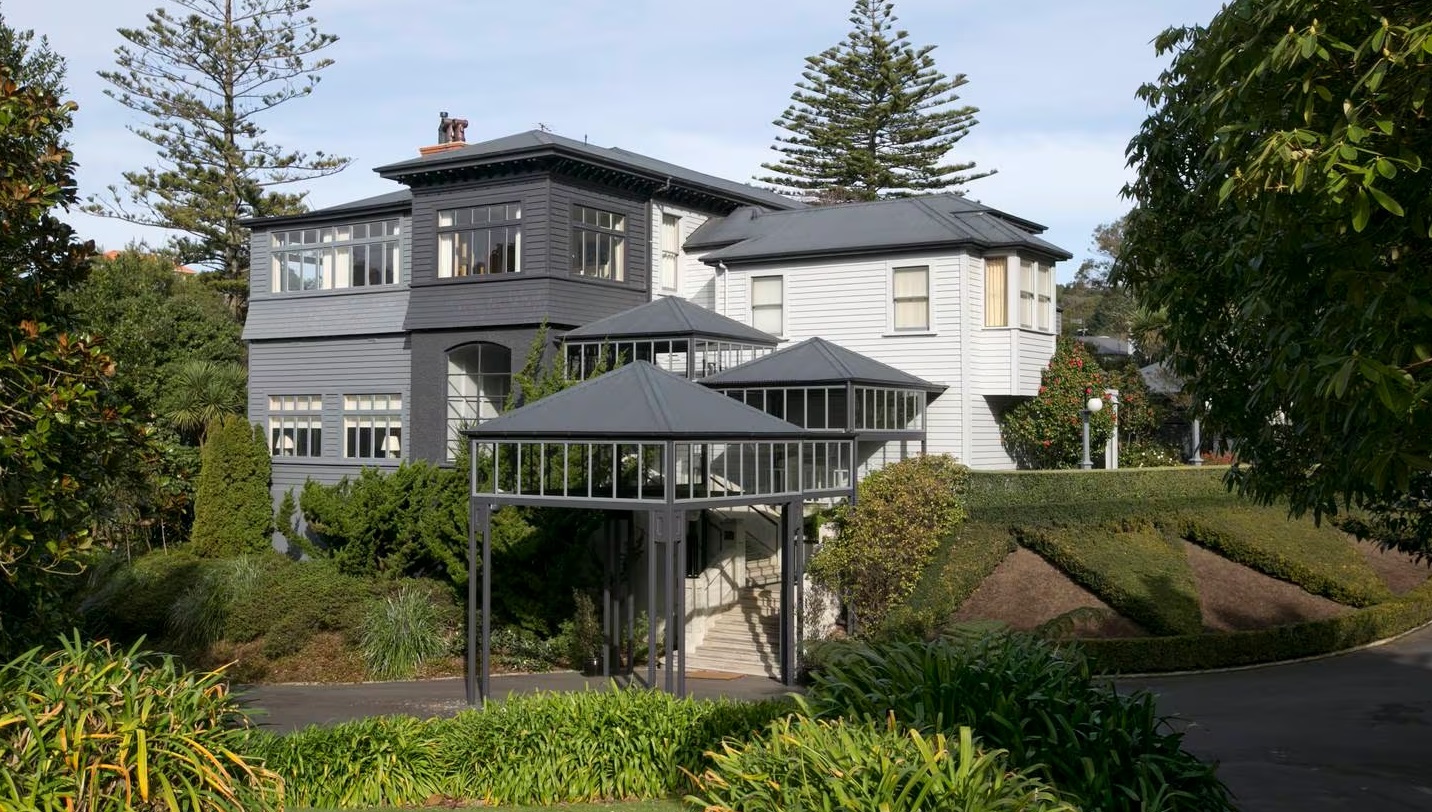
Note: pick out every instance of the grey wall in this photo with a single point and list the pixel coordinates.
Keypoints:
(429, 384)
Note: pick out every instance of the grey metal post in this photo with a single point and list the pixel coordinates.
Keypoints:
(1194, 457)
(668, 542)
(1085, 463)
(609, 624)
(651, 613)
(485, 516)
(470, 668)
(677, 523)
(789, 513)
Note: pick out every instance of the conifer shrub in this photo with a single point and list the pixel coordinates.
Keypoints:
(233, 512)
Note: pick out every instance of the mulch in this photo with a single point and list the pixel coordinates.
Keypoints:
(1234, 597)
(1026, 591)
(1399, 571)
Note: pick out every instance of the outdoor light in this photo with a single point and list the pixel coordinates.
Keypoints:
(1093, 405)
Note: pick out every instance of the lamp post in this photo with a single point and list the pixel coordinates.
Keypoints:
(1094, 405)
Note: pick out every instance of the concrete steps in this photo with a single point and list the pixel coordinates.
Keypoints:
(744, 639)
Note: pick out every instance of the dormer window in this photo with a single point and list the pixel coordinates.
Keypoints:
(335, 257)
(480, 240)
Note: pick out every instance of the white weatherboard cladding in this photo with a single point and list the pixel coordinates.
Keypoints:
(849, 302)
(696, 280)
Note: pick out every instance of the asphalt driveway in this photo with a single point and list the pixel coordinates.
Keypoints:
(1352, 732)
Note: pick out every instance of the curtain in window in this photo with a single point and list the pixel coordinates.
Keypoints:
(912, 298)
(767, 304)
(996, 292)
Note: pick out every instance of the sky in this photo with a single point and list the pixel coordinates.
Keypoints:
(694, 83)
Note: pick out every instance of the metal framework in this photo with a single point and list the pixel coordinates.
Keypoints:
(672, 353)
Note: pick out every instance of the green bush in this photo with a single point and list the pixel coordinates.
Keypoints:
(97, 728)
(1040, 703)
(804, 764)
(531, 749)
(1046, 431)
(1318, 559)
(1042, 496)
(199, 616)
(233, 511)
(582, 635)
(403, 631)
(294, 601)
(1308, 639)
(1131, 566)
(963, 561)
(128, 600)
(518, 649)
(887, 539)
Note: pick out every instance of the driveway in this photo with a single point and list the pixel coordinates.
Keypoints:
(1352, 732)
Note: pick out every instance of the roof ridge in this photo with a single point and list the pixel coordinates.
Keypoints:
(827, 349)
(643, 372)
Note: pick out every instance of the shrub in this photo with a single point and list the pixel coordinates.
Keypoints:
(128, 600)
(964, 560)
(402, 632)
(886, 541)
(532, 749)
(806, 764)
(1131, 566)
(200, 614)
(233, 511)
(582, 635)
(295, 600)
(518, 649)
(1040, 703)
(1046, 431)
(1044, 496)
(1318, 559)
(98, 728)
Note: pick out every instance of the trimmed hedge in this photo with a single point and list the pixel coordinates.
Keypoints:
(1313, 638)
(1318, 559)
(1050, 495)
(963, 561)
(1131, 566)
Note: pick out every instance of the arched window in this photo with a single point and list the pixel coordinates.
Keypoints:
(479, 378)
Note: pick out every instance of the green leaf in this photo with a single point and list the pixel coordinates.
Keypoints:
(1385, 200)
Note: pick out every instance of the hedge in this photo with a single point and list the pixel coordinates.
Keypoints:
(1318, 559)
(1227, 650)
(962, 562)
(1051, 495)
(1131, 566)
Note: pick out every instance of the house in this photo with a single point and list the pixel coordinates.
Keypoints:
(379, 329)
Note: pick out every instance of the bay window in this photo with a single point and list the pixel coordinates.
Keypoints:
(598, 243)
(335, 257)
(480, 240)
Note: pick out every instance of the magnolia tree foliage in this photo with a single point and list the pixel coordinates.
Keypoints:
(887, 540)
(1283, 223)
(64, 436)
(204, 78)
(872, 117)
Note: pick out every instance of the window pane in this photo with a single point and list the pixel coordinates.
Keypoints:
(912, 315)
(766, 290)
(996, 292)
(911, 282)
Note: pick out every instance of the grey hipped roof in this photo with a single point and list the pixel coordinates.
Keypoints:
(389, 201)
(817, 361)
(537, 143)
(637, 402)
(930, 221)
(671, 316)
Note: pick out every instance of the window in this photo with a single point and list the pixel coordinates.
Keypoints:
(1045, 301)
(480, 240)
(996, 291)
(296, 425)
(670, 251)
(598, 244)
(768, 304)
(912, 298)
(372, 426)
(479, 377)
(1026, 294)
(351, 256)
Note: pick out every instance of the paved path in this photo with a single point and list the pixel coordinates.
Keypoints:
(1352, 732)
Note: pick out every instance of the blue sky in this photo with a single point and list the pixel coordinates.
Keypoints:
(695, 83)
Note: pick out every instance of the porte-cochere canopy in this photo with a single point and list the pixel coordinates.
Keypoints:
(642, 439)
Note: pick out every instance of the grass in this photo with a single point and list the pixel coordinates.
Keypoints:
(1133, 567)
(657, 805)
(1319, 559)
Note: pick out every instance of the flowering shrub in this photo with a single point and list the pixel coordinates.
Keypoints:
(1046, 431)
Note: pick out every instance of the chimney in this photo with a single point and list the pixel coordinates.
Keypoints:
(452, 134)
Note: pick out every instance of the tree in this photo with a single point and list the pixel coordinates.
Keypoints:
(202, 392)
(1283, 223)
(31, 63)
(233, 512)
(873, 118)
(64, 436)
(205, 80)
(154, 321)
(1047, 431)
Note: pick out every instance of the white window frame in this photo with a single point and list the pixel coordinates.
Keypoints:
(1027, 305)
(996, 302)
(779, 307)
(606, 228)
(481, 218)
(670, 257)
(326, 254)
(1044, 297)
(894, 300)
(374, 412)
(288, 416)
(469, 392)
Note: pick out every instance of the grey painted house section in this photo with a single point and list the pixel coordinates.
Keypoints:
(428, 412)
